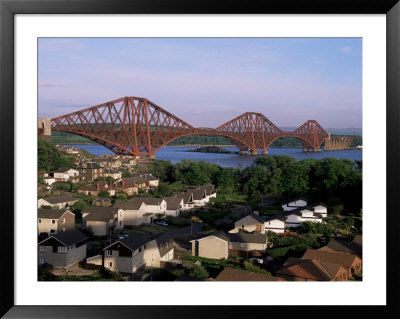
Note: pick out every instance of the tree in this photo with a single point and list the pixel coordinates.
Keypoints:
(109, 179)
(199, 272)
(104, 194)
(162, 190)
(126, 174)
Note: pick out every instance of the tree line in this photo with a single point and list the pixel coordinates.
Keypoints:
(336, 182)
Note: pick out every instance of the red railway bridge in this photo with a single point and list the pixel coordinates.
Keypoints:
(136, 126)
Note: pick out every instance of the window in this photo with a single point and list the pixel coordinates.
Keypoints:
(42, 261)
(63, 220)
(53, 221)
(242, 245)
(63, 229)
(242, 226)
(40, 220)
(120, 223)
(109, 252)
(52, 231)
(61, 249)
(42, 248)
(140, 249)
(110, 264)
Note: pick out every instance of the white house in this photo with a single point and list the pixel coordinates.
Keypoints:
(142, 209)
(294, 204)
(250, 223)
(49, 180)
(136, 252)
(61, 201)
(103, 220)
(320, 208)
(187, 199)
(306, 214)
(174, 205)
(65, 174)
(275, 224)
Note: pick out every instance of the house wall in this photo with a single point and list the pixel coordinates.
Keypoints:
(247, 246)
(307, 213)
(45, 226)
(95, 260)
(61, 260)
(69, 223)
(275, 225)
(321, 210)
(155, 209)
(131, 217)
(125, 264)
(249, 224)
(99, 228)
(211, 247)
(171, 212)
(42, 201)
(152, 254)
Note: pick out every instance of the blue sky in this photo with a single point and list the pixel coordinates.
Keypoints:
(208, 81)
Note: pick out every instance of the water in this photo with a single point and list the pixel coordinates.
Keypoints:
(176, 154)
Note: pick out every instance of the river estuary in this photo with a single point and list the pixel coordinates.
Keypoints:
(176, 154)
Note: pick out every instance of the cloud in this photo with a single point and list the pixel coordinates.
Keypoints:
(46, 44)
(345, 49)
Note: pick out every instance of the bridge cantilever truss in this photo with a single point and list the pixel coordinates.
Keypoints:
(137, 126)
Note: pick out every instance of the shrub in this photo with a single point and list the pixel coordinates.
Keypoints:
(254, 268)
(199, 272)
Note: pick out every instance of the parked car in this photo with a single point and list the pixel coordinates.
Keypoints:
(161, 223)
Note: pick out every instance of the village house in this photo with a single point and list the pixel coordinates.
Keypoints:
(251, 222)
(136, 252)
(294, 204)
(275, 224)
(214, 246)
(125, 186)
(103, 221)
(187, 199)
(295, 217)
(109, 172)
(151, 180)
(95, 189)
(66, 174)
(174, 205)
(296, 269)
(63, 250)
(103, 202)
(345, 246)
(108, 162)
(352, 263)
(232, 274)
(247, 241)
(60, 201)
(138, 181)
(89, 171)
(54, 221)
(320, 209)
(49, 180)
(140, 210)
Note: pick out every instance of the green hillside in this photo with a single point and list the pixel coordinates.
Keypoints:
(50, 158)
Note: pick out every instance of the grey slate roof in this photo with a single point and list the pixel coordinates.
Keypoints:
(97, 213)
(173, 202)
(319, 204)
(187, 196)
(219, 233)
(134, 242)
(269, 218)
(252, 215)
(51, 213)
(68, 237)
(60, 199)
(62, 170)
(352, 247)
(246, 237)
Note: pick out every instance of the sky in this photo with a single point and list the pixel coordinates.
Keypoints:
(208, 81)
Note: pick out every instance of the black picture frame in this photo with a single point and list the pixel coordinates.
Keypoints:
(9, 8)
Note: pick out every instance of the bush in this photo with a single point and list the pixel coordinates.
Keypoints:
(254, 268)
(199, 272)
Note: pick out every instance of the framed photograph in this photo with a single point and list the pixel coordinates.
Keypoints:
(325, 70)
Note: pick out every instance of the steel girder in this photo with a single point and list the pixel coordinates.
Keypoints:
(137, 126)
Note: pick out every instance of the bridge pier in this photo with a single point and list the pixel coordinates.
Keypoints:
(264, 152)
(152, 156)
(253, 153)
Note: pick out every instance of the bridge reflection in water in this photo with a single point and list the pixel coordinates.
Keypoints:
(139, 127)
